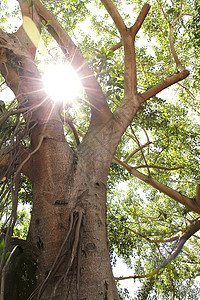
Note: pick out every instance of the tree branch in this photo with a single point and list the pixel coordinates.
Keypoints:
(158, 167)
(198, 193)
(163, 85)
(155, 241)
(72, 127)
(23, 166)
(140, 19)
(194, 227)
(135, 151)
(9, 113)
(162, 10)
(171, 29)
(141, 150)
(73, 55)
(29, 32)
(188, 202)
(130, 104)
(177, 196)
(18, 67)
(5, 269)
(112, 10)
(164, 148)
(116, 47)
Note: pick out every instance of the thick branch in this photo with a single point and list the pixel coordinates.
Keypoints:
(112, 10)
(17, 56)
(188, 202)
(130, 104)
(96, 97)
(163, 85)
(140, 19)
(29, 32)
(177, 196)
(129, 51)
(130, 76)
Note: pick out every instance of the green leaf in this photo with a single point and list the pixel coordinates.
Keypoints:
(109, 53)
(99, 55)
(1, 246)
(103, 50)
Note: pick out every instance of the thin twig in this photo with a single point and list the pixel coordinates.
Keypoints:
(165, 16)
(154, 241)
(164, 148)
(135, 151)
(141, 151)
(158, 167)
(171, 29)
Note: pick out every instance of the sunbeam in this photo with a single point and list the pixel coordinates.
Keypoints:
(61, 83)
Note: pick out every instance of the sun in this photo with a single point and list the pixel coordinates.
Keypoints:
(61, 83)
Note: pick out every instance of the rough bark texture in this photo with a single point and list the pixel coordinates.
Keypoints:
(68, 184)
(64, 183)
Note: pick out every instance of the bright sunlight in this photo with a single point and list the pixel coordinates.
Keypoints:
(61, 83)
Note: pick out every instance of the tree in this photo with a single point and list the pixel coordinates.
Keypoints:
(67, 235)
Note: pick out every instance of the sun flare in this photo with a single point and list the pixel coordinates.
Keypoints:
(61, 83)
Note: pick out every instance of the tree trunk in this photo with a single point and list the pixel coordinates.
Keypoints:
(68, 222)
(70, 192)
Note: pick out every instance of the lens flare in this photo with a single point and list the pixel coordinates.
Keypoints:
(61, 83)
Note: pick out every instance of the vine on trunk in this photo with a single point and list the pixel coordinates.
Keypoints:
(69, 252)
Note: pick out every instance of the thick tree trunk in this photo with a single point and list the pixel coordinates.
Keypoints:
(68, 223)
(65, 187)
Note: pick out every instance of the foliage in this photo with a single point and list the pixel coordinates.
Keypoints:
(135, 219)
(195, 31)
(123, 293)
(22, 224)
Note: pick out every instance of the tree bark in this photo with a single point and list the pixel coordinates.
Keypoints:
(68, 223)
(65, 184)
